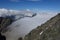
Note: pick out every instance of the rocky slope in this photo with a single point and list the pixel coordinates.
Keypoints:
(47, 31)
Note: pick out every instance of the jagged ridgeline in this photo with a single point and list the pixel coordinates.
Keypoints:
(47, 31)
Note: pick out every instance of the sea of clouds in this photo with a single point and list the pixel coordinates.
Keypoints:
(23, 26)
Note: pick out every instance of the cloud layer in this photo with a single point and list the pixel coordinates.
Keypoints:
(23, 26)
(15, 12)
(4, 11)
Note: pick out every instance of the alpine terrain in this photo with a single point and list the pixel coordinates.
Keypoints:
(47, 31)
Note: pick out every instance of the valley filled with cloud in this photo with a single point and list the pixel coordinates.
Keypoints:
(24, 25)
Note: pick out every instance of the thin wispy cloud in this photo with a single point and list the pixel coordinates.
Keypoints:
(24, 0)
(15, 0)
(33, 0)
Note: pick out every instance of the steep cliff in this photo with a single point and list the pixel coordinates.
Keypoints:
(47, 31)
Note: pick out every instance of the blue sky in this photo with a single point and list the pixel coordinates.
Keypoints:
(31, 4)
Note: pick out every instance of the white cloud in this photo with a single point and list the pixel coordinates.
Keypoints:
(6, 11)
(28, 9)
(44, 11)
(18, 13)
(3, 11)
(10, 12)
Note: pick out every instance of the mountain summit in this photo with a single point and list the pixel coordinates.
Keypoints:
(47, 31)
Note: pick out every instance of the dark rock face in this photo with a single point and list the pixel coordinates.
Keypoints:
(2, 37)
(1, 18)
(20, 38)
(47, 31)
(4, 22)
(58, 13)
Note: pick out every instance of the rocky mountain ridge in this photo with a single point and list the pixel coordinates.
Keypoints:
(47, 31)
